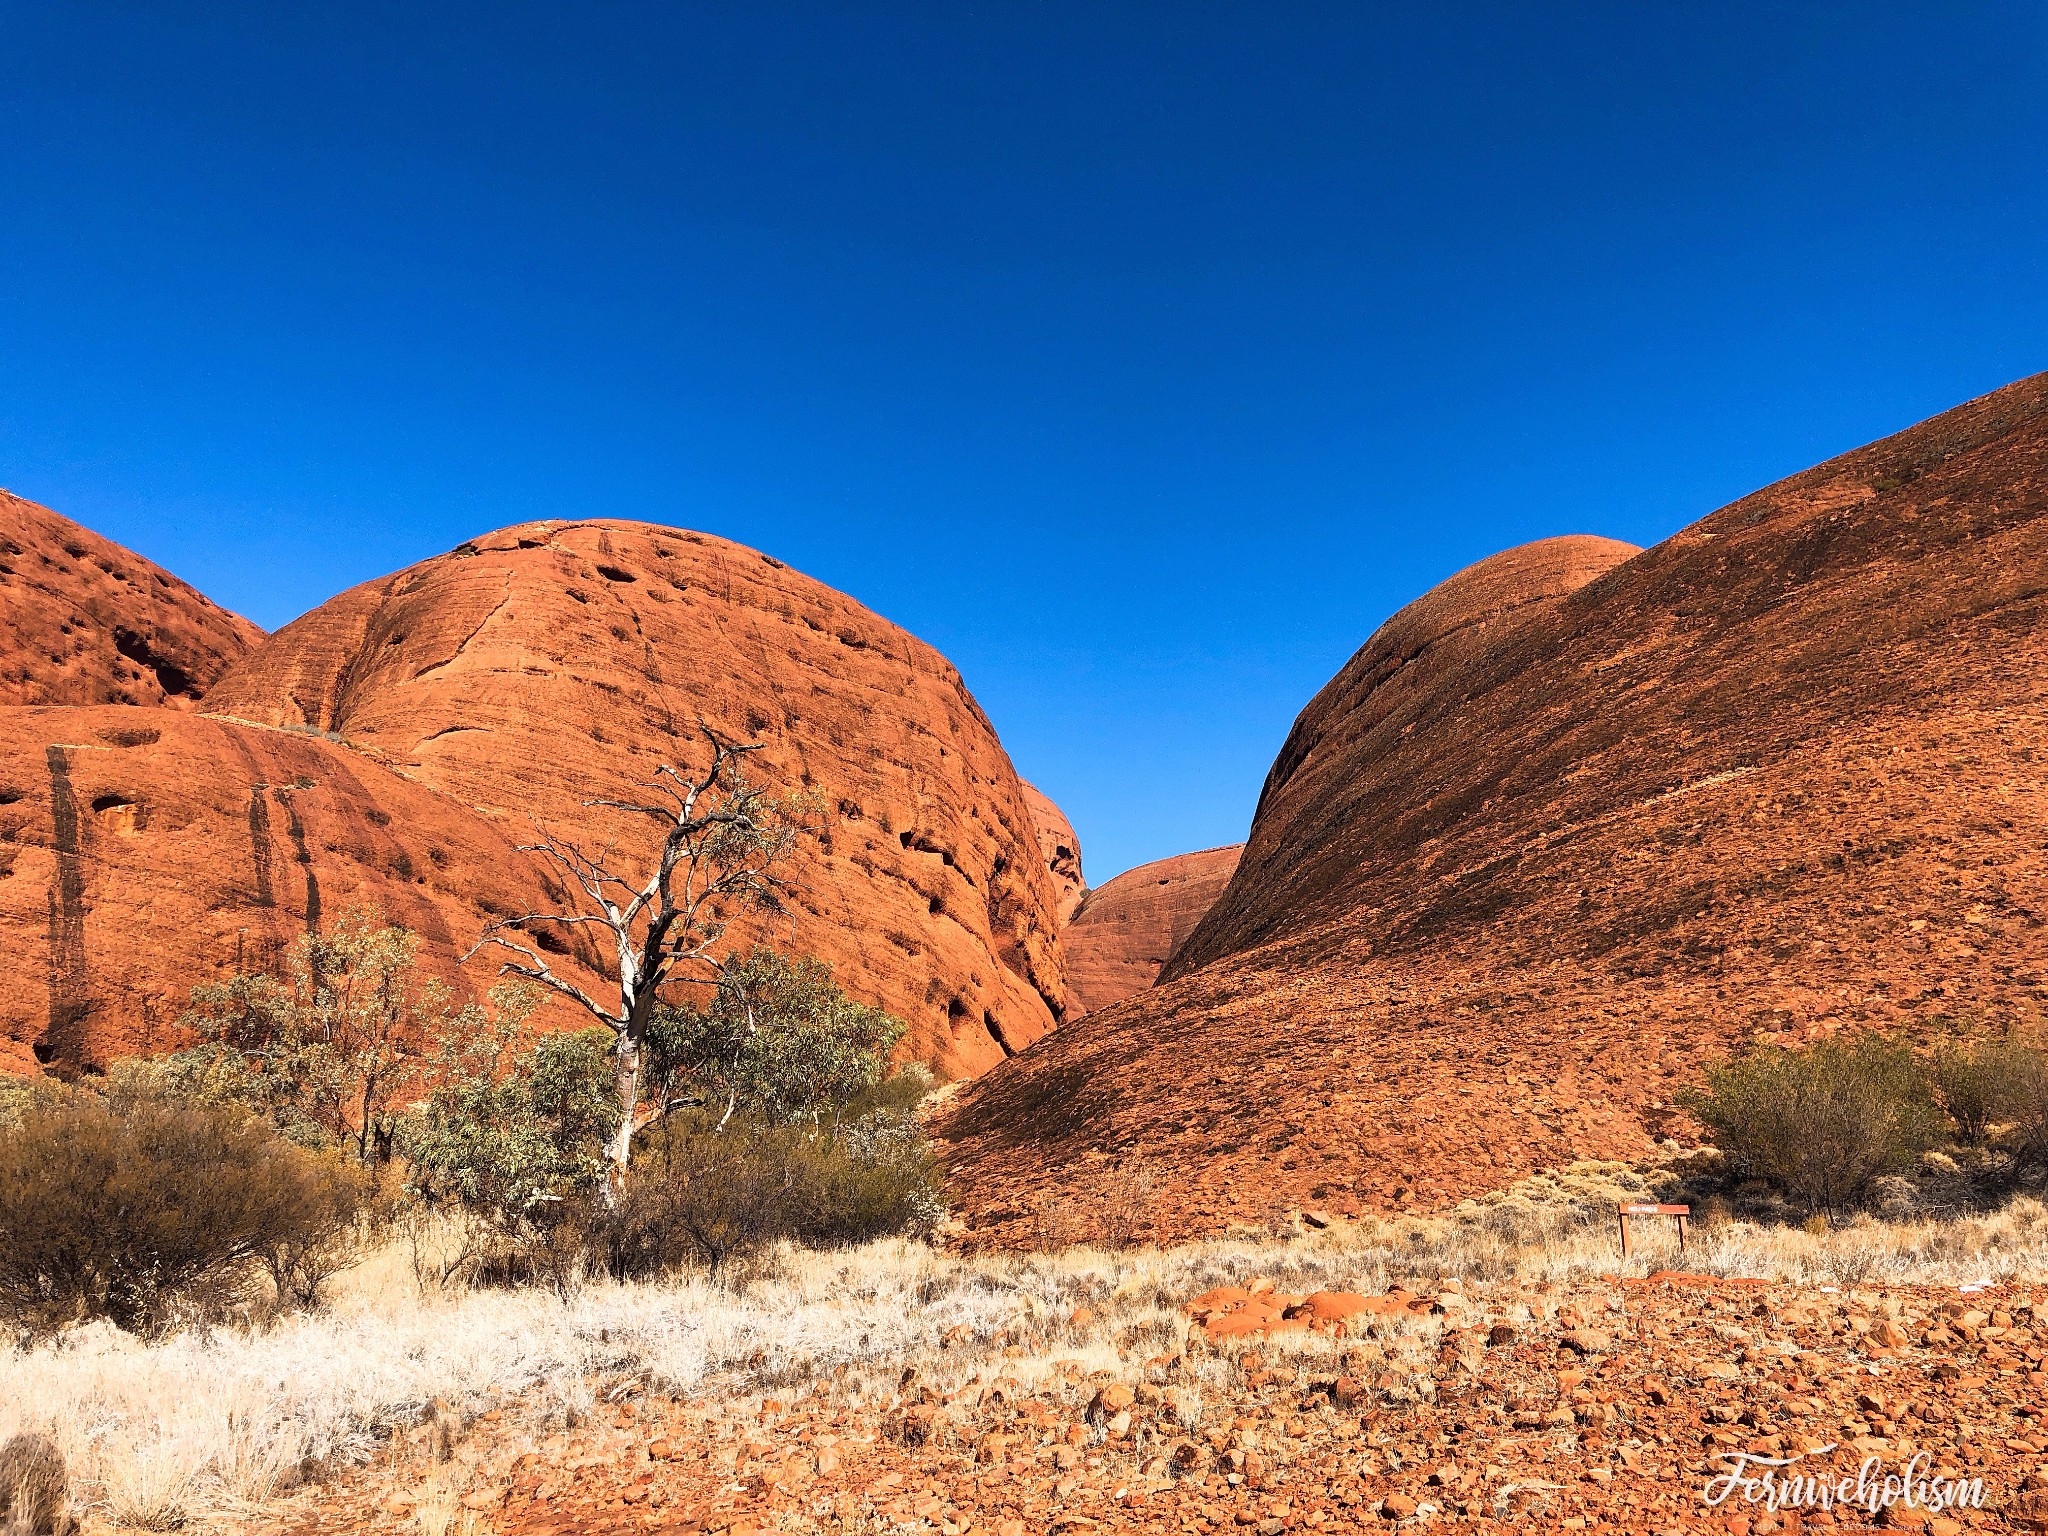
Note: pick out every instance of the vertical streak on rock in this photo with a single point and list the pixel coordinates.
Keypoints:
(259, 844)
(63, 1038)
(297, 829)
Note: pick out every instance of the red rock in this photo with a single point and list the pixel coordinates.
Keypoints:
(84, 621)
(1241, 1323)
(1059, 849)
(145, 850)
(1223, 1298)
(1109, 1400)
(1128, 927)
(1571, 826)
(1334, 1310)
(545, 665)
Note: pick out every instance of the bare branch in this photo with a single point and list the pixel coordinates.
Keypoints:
(537, 969)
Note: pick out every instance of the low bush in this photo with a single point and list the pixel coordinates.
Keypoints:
(513, 1141)
(1821, 1122)
(702, 1193)
(1988, 1084)
(2026, 1105)
(144, 1210)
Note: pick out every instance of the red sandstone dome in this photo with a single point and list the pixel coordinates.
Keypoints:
(1128, 928)
(545, 665)
(1573, 824)
(397, 744)
(84, 621)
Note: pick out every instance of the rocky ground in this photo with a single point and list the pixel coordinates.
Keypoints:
(1590, 1403)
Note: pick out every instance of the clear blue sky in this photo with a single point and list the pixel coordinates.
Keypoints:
(1140, 357)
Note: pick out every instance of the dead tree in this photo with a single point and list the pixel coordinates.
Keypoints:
(723, 838)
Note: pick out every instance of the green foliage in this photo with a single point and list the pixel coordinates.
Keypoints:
(778, 1041)
(1989, 1083)
(867, 1178)
(514, 1135)
(330, 1051)
(899, 1093)
(1822, 1121)
(703, 1192)
(135, 1207)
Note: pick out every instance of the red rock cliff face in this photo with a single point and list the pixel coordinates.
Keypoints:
(1126, 930)
(545, 665)
(84, 621)
(145, 850)
(1060, 850)
(1548, 843)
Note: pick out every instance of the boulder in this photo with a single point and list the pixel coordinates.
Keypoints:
(143, 851)
(1060, 850)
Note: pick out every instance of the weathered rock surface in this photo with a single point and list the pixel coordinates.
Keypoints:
(145, 850)
(84, 621)
(545, 665)
(1128, 927)
(1542, 849)
(1061, 851)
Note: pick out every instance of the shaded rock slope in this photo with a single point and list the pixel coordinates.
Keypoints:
(544, 665)
(1574, 823)
(1126, 929)
(84, 621)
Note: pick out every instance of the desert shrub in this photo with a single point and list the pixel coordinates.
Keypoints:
(1822, 1121)
(335, 1215)
(778, 1040)
(142, 1210)
(900, 1093)
(2026, 1106)
(1985, 1084)
(697, 1194)
(330, 1050)
(705, 1192)
(772, 1119)
(866, 1178)
(515, 1141)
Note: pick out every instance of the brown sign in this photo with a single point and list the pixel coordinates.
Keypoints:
(1677, 1212)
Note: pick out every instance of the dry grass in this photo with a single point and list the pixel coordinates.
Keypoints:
(210, 1423)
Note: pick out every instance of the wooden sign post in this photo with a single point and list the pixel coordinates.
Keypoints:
(1680, 1212)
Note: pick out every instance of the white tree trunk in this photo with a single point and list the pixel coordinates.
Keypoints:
(626, 1084)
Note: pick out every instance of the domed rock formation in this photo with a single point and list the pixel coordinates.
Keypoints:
(1128, 927)
(84, 621)
(1540, 852)
(546, 665)
(145, 850)
(1061, 851)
